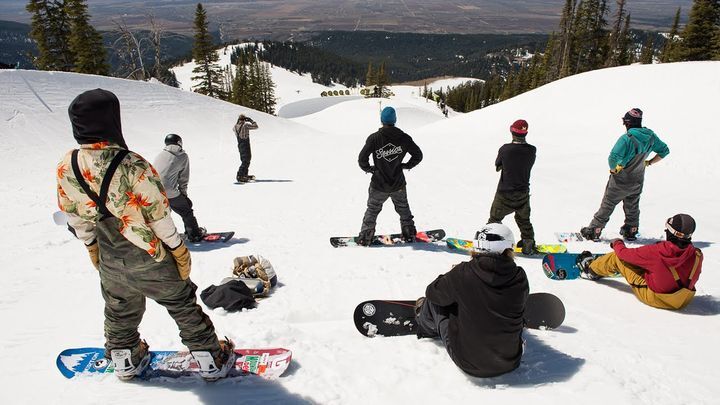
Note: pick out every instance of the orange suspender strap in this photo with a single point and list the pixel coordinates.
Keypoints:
(676, 277)
(691, 282)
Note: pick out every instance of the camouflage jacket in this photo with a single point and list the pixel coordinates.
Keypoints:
(136, 197)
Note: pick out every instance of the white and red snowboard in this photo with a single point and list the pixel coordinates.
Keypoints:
(91, 362)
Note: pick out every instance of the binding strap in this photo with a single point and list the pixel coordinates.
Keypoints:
(99, 200)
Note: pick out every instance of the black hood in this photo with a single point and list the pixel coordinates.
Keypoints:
(95, 117)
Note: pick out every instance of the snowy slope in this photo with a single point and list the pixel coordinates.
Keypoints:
(612, 349)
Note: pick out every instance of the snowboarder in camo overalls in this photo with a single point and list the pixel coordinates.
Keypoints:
(116, 205)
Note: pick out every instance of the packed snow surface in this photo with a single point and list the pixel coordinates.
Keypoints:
(611, 348)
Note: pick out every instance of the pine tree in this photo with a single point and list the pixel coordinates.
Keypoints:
(625, 56)
(86, 43)
(268, 90)
(206, 58)
(669, 52)
(50, 29)
(589, 36)
(700, 33)
(615, 36)
(240, 82)
(567, 22)
(370, 76)
(647, 55)
(382, 78)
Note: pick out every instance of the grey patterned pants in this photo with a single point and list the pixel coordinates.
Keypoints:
(377, 198)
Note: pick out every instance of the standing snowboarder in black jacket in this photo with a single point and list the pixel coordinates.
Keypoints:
(477, 308)
(515, 161)
(388, 147)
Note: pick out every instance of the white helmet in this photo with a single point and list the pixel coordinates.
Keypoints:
(494, 238)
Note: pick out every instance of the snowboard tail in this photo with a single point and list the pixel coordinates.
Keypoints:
(392, 239)
(397, 317)
(91, 361)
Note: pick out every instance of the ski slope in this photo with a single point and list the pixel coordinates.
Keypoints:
(611, 349)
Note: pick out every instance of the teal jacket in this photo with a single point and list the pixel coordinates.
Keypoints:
(624, 150)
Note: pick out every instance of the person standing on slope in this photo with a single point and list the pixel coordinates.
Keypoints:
(627, 163)
(115, 203)
(514, 162)
(242, 133)
(662, 275)
(173, 165)
(388, 147)
(477, 308)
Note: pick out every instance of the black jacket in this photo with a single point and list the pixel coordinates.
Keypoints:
(486, 298)
(388, 147)
(515, 160)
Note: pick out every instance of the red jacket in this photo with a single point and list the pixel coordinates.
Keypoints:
(657, 260)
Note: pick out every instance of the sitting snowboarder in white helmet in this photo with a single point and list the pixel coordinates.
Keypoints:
(477, 308)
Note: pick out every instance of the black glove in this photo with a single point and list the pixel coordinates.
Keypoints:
(405, 166)
(370, 169)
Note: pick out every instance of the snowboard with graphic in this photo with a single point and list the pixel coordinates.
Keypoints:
(397, 318)
(468, 246)
(566, 237)
(91, 361)
(212, 237)
(563, 266)
(393, 239)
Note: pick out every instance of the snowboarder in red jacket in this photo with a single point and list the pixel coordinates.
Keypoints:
(662, 275)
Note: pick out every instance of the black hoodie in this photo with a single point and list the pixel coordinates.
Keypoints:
(95, 117)
(486, 298)
(388, 147)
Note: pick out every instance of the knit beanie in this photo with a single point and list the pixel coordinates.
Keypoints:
(388, 116)
(519, 127)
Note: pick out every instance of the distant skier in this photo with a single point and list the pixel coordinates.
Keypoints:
(173, 165)
(627, 175)
(477, 308)
(388, 147)
(515, 161)
(242, 132)
(116, 204)
(662, 275)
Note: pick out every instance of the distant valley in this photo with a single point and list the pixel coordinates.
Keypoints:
(297, 19)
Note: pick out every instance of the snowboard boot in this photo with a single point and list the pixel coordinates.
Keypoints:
(591, 233)
(365, 237)
(629, 233)
(418, 305)
(129, 363)
(213, 368)
(409, 232)
(583, 263)
(527, 247)
(198, 235)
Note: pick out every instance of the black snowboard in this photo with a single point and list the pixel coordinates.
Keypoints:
(397, 318)
(212, 237)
